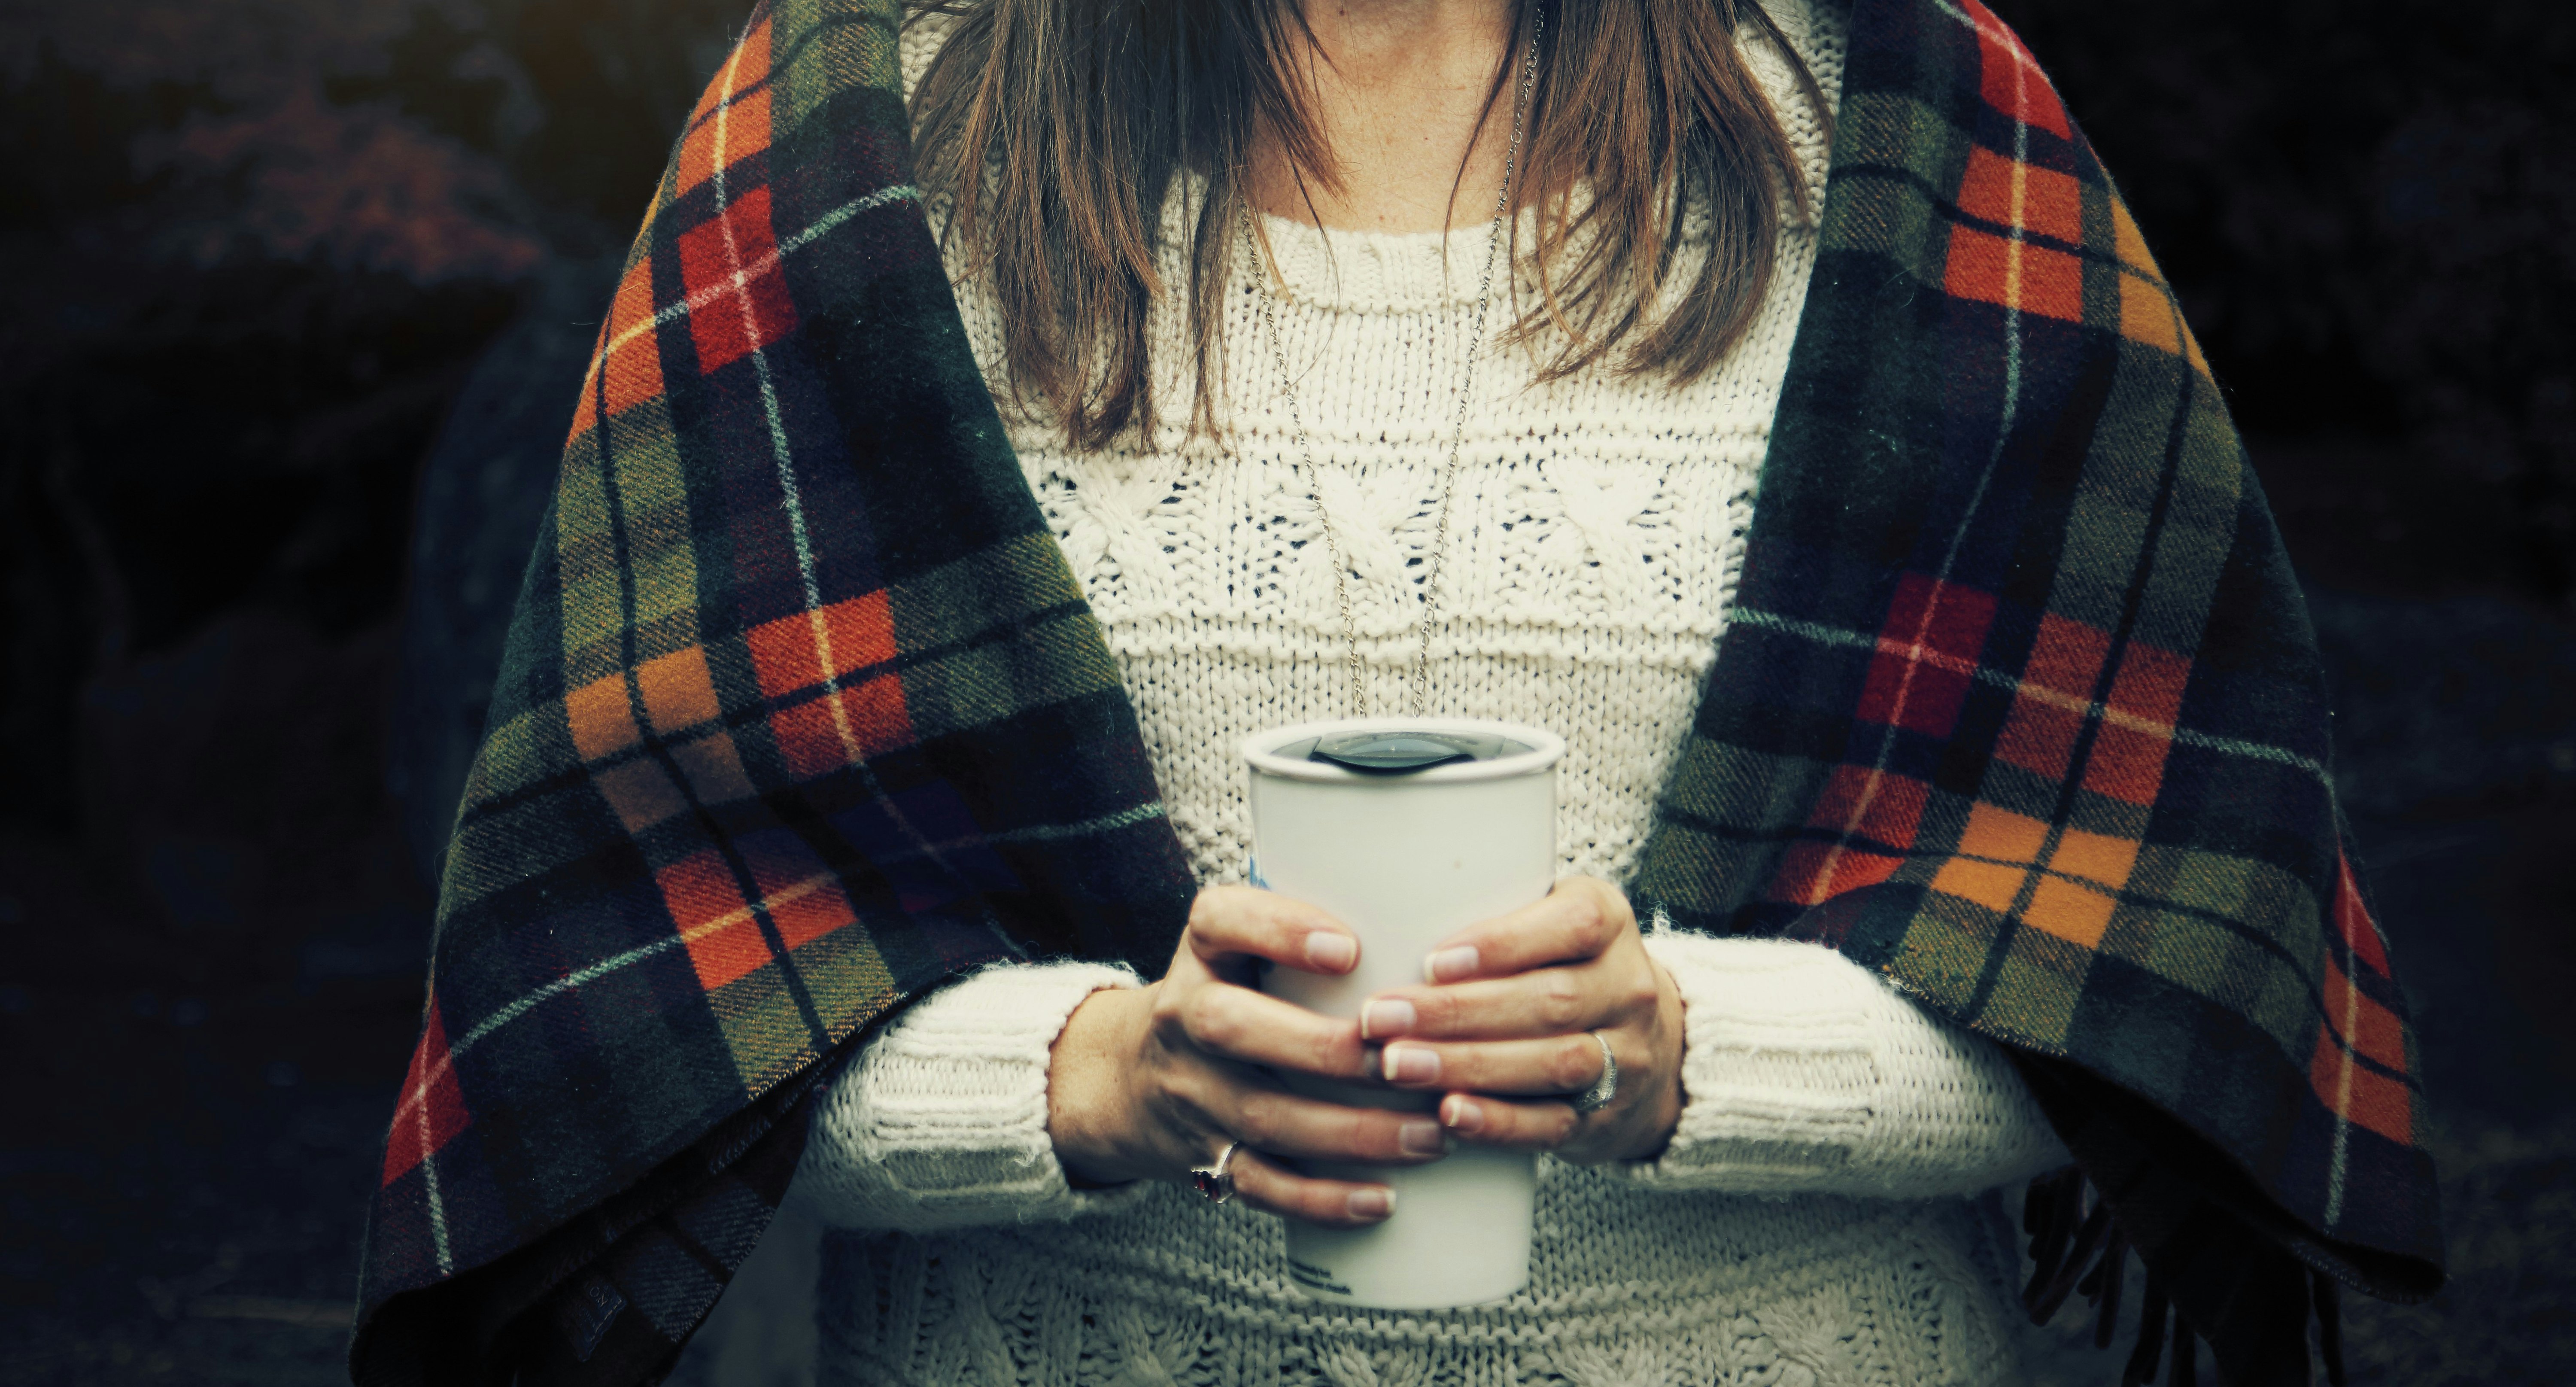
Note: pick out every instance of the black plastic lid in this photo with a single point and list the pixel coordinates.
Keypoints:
(1403, 752)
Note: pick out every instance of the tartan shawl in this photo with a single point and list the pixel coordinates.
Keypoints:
(802, 713)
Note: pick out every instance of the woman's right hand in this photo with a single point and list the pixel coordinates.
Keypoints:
(1148, 1083)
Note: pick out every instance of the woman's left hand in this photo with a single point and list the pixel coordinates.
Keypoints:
(1505, 1028)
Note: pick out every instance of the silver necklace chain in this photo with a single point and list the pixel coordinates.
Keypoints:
(1419, 694)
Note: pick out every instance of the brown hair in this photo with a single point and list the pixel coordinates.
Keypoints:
(1053, 129)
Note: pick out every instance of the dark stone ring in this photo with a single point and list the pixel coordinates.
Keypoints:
(1216, 1182)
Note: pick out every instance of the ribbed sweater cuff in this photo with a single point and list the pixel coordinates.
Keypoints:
(1806, 1072)
(941, 1121)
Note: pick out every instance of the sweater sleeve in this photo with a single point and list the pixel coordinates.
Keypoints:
(940, 1121)
(1804, 1072)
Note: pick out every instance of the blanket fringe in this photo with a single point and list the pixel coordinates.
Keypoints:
(2081, 1250)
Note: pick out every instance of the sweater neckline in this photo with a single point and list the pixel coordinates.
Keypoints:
(1378, 271)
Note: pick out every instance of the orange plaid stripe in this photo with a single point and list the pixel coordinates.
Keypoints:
(2040, 733)
(2361, 1094)
(2010, 192)
(732, 118)
(631, 358)
(799, 652)
(2016, 274)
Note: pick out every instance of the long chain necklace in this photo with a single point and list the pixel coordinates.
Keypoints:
(1419, 694)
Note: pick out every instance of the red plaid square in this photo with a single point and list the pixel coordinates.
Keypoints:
(2360, 1022)
(432, 1109)
(1927, 653)
(2352, 920)
(738, 298)
(2010, 80)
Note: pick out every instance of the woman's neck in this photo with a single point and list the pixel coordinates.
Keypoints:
(1396, 94)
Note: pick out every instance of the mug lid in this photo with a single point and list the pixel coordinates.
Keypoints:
(1431, 748)
(1406, 750)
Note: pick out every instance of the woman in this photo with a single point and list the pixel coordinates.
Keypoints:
(1597, 498)
(1988, 710)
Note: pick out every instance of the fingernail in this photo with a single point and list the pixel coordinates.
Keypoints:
(1409, 1064)
(1462, 1115)
(1385, 1017)
(1450, 963)
(1372, 1203)
(1331, 953)
(1422, 1138)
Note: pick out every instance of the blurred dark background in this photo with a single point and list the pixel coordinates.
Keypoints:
(302, 292)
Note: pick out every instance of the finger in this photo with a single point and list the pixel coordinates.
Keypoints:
(1554, 1065)
(1578, 920)
(1544, 1001)
(1237, 1023)
(1288, 1124)
(1228, 922)
(1527, 1126)
(1273, 1188)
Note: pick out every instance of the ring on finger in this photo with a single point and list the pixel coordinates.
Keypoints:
(1603, 1089)
(1216, 1181)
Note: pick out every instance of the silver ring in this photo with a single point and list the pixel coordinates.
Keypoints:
(1603, 1089)
(1216, 1181)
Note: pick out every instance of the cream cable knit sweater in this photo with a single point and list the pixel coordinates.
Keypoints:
(1806, 1225)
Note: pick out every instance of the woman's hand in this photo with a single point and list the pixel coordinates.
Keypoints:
(1147, 1083)
(1507, 1028)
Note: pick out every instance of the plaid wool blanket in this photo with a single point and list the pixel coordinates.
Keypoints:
(802, 713)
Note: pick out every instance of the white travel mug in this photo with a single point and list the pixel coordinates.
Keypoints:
(1407, 829)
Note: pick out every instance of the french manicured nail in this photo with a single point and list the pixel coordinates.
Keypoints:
(1331, 953)
(1422, 1138)
(1385, 1017)
(1409, 1064)
(1372, 1203)
(1462, 1115)
(1450, 963)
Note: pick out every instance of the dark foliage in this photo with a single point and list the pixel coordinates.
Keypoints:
(268, 238)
